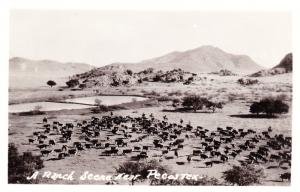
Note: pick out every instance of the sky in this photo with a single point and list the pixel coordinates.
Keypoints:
(103, 37)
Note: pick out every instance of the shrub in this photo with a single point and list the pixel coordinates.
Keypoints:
(242, 81)
(125, 82)
(194, 101)
(157, 78)
(204, 181)
(72, 83)
(82, 86)
(22, 166)
(213, 105)
(243, 175)
(115, 83)
(100, 108)
(269, 106)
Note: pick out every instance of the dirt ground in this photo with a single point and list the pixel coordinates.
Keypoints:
(22, 127)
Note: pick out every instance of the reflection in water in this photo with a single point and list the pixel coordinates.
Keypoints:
(51, 106)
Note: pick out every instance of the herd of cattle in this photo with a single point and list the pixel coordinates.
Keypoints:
(126, 136)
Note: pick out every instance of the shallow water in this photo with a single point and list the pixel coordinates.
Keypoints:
(45, 106)
(106, 100)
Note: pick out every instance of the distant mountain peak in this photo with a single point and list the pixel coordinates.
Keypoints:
(204, 59)
(284, 66)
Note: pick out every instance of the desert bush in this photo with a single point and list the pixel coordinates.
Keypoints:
(82, 86)
(242, 81)
(165, 98)
(51, 83)
(204, 181)
(157, 78)
(194, 101)
(269, 106)
(243, 175)
(115, 83)
(22, 166)
(72, 83)
(282, 97)
(100, 109)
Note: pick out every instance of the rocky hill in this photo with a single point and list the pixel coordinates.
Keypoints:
(205, 59)
(285, 66)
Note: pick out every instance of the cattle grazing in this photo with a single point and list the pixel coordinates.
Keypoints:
(224, 158)
(42, 146)
(285, 176)
(72, 151)
(203, 156)
(64, 148)
(189, 158)
(45, 152)
(209, 163)
(51, 142)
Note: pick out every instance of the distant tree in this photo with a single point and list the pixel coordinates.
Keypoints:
(51, 83)
(129, 72)
(257, 108)
(269, 106)
(243, 175)
(22, 166)
(72, 83)
(98, 102)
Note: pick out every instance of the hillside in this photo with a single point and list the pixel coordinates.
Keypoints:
(285, 66)
(26, 73)
(204, 59)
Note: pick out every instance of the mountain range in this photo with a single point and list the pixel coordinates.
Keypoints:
(204, 59)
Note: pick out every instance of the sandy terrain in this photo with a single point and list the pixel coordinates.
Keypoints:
(226, 89)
